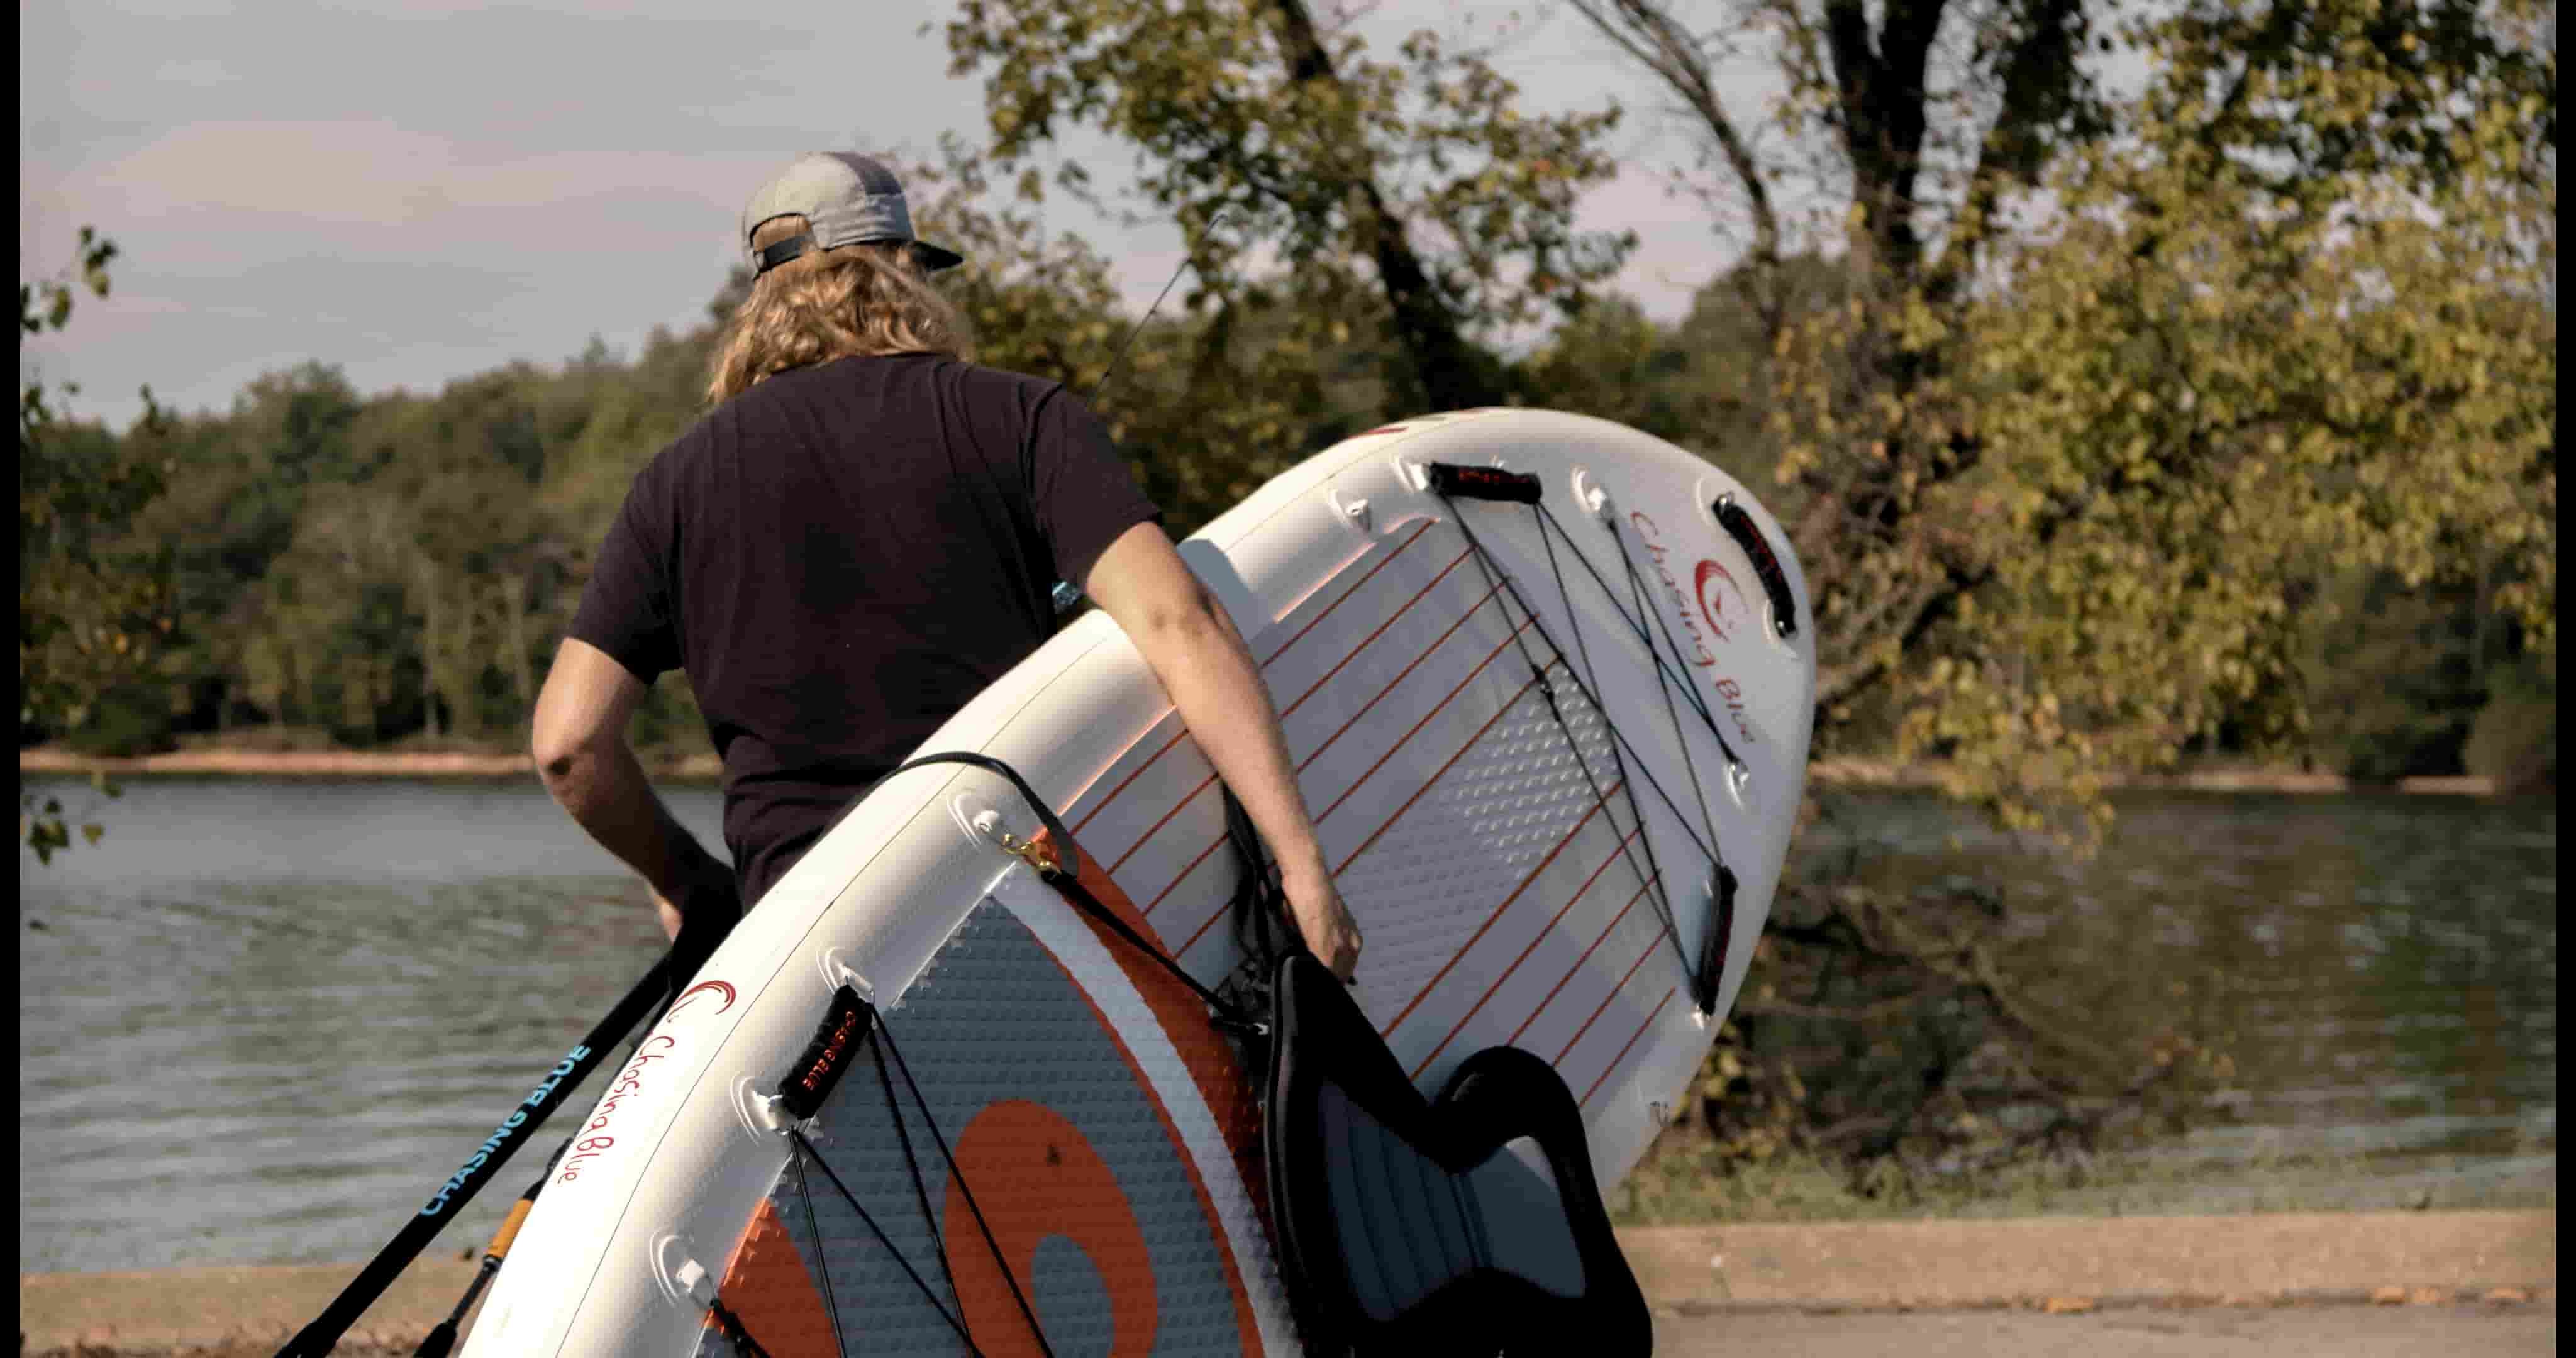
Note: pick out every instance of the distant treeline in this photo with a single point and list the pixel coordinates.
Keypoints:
(369, 570)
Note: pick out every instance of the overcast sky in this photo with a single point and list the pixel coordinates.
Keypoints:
(417, 191)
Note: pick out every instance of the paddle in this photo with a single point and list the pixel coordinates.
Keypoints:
(315, 1340)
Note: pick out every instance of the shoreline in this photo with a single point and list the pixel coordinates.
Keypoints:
(1839, 773)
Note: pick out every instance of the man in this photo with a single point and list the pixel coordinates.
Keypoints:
(860, 536)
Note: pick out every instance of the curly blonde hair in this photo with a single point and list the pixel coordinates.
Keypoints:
(855, 301)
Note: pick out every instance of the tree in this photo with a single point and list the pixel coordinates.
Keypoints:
(88, 618)
(2110, 389)
(1417, 184)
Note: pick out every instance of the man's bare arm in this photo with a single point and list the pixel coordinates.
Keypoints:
(581, 753)
(1142, 583)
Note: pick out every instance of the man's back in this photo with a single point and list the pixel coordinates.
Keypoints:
(840, 557)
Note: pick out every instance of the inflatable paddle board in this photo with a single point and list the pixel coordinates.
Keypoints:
(1548, 682)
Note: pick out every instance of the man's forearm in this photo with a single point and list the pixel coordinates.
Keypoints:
(606, 792)
(1216, 686)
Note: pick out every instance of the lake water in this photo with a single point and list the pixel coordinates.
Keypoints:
(265, 1017)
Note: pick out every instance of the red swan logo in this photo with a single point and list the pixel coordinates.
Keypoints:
(724, 988)
(1712, 604)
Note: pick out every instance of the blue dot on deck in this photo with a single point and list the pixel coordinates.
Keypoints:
(1072, 1301)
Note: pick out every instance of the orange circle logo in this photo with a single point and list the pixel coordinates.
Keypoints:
(1051, 1185)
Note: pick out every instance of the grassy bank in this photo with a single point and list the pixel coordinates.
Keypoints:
(1687, 1187)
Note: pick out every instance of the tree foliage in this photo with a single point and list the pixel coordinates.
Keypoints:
(2108, 404)
(89, 614)
(1414, 196)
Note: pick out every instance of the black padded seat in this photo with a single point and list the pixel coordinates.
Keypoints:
(1463, 1224)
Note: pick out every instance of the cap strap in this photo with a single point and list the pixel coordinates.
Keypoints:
(790, 248)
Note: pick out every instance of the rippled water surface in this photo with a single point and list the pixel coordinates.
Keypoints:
(265, 1018)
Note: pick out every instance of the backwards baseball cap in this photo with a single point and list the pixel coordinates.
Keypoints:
(845, 199)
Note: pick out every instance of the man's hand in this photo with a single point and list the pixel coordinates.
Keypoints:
(707, 910)
(1331, 934)
(709, 899)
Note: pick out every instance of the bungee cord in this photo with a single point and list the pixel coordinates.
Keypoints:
(1651, 877)
(1637, 594)
(1498, 484)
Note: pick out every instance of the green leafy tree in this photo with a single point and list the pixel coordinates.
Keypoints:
(2106, 393)
(1413, 196)
(89, 617)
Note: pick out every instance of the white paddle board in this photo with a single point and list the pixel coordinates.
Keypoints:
(1527, 762)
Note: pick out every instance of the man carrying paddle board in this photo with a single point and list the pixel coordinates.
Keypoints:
(859, 536)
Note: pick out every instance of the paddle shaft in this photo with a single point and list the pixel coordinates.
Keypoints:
(315, 1340)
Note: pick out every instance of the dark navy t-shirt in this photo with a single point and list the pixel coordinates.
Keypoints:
(839, 558)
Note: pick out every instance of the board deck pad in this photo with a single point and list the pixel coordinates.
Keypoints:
(1524, 764)
(1028, 1088)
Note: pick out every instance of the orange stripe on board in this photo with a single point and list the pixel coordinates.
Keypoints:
(768, 1285)
(1605, 1002)
(1184, 876)
(1346, 594)
(1616, 851)
(1389, 823)
(1338, 666)
(1157, 902)
(1391, 620)
(1156, 827)
(1496, 917)
(1436, 709)
(1204, 1052)
(1406, 673)
(1104, 802)
(1577, 969)
(1652, 1011)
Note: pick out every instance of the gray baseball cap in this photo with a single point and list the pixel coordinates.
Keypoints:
(845, 199)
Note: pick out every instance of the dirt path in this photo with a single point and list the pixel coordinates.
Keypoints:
(2294, 1284)
(2488, 1330)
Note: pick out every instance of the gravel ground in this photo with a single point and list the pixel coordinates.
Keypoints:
(2292, 1284)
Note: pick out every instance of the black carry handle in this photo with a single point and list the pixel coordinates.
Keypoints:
(316, 1340)
(1483, 483)
(1766, 566)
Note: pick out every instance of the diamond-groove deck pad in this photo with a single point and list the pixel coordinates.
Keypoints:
(1075, 1170)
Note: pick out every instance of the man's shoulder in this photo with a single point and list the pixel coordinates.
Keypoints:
(1026, 387)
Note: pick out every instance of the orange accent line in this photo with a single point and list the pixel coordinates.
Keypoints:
(1496, 988)
(1572, 971)
(1203, 1051)
(1104, 802)
(1157, 827)
(1496, 917)
(1346, 594)
(768, 1284)
(1301, 768)
(1183, 877)
(1605, 1003)
(1365, 708)
(1389, 824)
(1391, 618)
(1436, 709)
(1211, 778)
(1651, 1011)
(1201, 931)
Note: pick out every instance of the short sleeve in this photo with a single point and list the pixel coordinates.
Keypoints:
(1086, 497)
(626, 608)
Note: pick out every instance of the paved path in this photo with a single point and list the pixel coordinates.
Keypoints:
(2124, 1287)
(2211, 1332)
